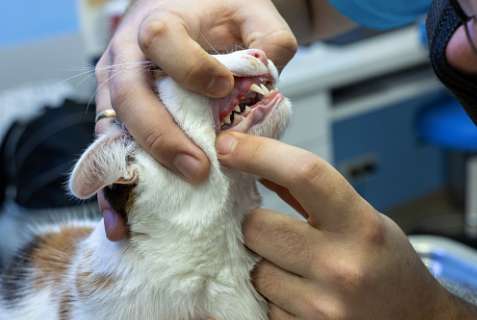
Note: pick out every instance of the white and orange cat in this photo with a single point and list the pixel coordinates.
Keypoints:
(184, 257)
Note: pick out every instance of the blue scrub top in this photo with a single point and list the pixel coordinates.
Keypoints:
(382, 14)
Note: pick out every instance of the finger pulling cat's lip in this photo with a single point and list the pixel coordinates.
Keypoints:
(247, 105)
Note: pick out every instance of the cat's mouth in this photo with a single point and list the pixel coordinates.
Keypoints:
(248, 105)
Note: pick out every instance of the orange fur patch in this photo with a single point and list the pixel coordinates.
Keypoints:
(88, 284)
(52, 260)
(65, 307)
(55, 253)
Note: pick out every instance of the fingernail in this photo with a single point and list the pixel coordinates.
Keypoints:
(225, 144)
(219, 86)
(187, 165)
(110, 219)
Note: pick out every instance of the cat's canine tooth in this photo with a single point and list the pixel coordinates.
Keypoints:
(237, 109)
(265, 90)
(227, 119)
(256, 88)
(247, 110)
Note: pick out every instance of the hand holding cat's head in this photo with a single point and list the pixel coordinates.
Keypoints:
(254, 106)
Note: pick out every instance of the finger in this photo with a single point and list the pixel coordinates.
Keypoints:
(277, 313)
(164, 38)
(330, 201)
(264, 28)
(282, 288)
(103, 96)
(285, 195)
(151, 124)
(282, 240)
(114, 224)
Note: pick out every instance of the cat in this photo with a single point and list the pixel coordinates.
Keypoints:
(184, 256)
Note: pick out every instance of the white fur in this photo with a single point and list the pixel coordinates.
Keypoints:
(185, 257)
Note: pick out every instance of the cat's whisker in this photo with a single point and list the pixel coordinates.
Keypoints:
(210, 45)
(92, 74)
(79, 68)
(107, 81)
(109, 67)
(75, 76)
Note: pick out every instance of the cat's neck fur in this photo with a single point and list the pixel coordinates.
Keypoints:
(185, 253)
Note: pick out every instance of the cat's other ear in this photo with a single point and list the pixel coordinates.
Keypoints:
(105, 162)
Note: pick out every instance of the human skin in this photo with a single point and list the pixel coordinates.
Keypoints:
(172, 35)
(347, 261)
(458, 53)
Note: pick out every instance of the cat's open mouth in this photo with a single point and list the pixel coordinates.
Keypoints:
(249, 103)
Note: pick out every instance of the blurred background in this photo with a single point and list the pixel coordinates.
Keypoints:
(362, 102)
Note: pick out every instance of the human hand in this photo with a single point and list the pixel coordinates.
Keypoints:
(172, 34)
(347, 261)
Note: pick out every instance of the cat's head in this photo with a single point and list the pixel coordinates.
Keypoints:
(255, 106)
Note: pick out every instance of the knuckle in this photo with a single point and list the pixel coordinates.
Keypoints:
(150, 30)
(190, 75)
(374, 231)
(154, 141)
(310, 171)
(349, 275)
(319, 307)
(268, 281)
(285, 44)
(287, 41)
(120, 93)
(118, 44)
(257, 149)
(253, 228)
(314, 309)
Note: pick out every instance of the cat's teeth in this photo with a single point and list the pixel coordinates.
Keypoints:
(247, 110)
(227, 119)
(270, 86)
(265, 90)
(256, 88)
(237, 109)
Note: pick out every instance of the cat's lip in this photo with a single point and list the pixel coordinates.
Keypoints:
(258, 113)
(260, 88)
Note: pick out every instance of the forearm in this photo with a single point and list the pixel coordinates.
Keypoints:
(464, 310)
(312, 20)
(464, 297)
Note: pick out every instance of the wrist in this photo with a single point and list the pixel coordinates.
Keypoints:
(464, 310)
(451, 307)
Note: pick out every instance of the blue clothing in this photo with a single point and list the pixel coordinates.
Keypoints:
(382, 14)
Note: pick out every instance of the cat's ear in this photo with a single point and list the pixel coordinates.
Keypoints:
(105, 162)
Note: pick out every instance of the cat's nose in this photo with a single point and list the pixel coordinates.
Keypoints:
(259, 54)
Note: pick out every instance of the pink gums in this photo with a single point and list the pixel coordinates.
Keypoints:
(223, 106)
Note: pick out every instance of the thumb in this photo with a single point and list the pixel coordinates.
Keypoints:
(268, 32)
